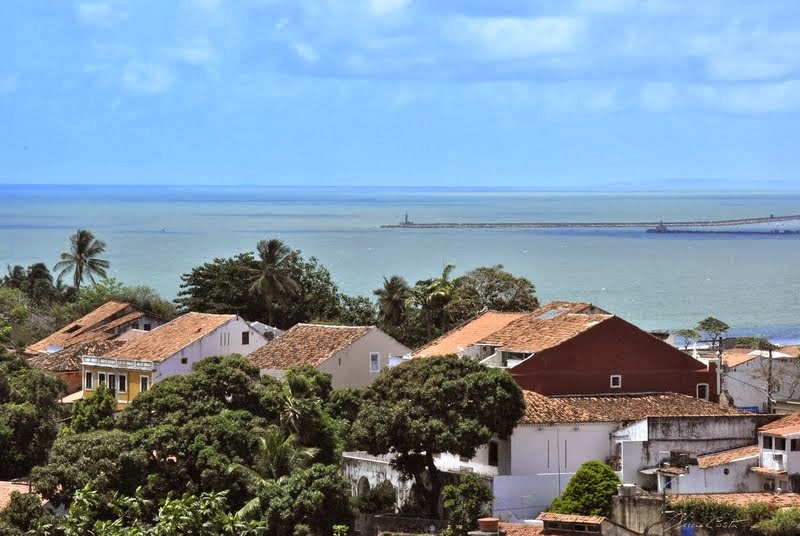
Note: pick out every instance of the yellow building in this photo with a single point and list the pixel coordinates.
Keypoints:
(168, 350)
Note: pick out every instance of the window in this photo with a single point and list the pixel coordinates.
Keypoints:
(112, 382)
(122, 383)
(87, 383)
(375, 362)
(143, 383)
(147, 327)
(702, 391)
(493, 454)
(795, 445)
(184, 360)
(616, 381)
(780, 443)
(766, 442)
(101, 378)
(245, 338)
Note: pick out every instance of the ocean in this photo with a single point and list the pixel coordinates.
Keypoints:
(156, 233)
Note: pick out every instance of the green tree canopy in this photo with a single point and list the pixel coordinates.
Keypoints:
(429, 406)
(467, 502)
(492, 287)
(274, 280)
(589, 491)
(713, 328)
(688, 335)
(95, 412)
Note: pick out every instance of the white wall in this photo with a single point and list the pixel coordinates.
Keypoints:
(351, 366)
(714, 480)
(213, 343)
(747, 383)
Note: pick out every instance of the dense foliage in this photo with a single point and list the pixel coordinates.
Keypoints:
(721, 517)
(429, 406)
(28, 413)
(589, 491)
(467, 502)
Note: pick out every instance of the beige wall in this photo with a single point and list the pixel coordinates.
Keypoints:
(351, 366)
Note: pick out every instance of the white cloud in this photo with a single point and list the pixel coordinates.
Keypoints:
(197, 52)
(95, 13)
(658, 96)
(384, 7)
(305, 52)
(516, 38)
(147, 78)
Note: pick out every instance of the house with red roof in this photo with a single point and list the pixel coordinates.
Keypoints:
(352, 355)
(570, 348)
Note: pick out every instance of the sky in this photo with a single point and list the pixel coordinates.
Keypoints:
(459, 93)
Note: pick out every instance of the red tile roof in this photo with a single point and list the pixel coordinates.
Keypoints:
(727, 456)
(306, 344)
(84, 329)
(547, 327)
(632, 407)
(774, 500)
(570, 518)
(540, 409)
(768, 471)
(521, 529)
(671, 470)
(170, 338)
(782, 425)
(69, 359)
(468, 333)
(737, 356)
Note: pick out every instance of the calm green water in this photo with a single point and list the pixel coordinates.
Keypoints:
(154, 234)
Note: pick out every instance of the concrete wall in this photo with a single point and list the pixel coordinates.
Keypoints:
(225, 340)
(480, 462)
(739, 478)
(747, 382)
(351, 366)
(376, 470)
(543, 459)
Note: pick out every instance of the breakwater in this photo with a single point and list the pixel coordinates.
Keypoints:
(656, 226)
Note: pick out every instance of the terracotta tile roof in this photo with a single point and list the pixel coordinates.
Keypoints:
(671, 470)
(168, 339)
(727, 456)
(540, 409)
(7, 488)
(130, 317)
(468, 333)
(774, 500)
(768, 471)
(791, 350)
(306, 344)
(736, 356)
(69, 359)
(570, 518)
(83, 329)
(786, 431)
(632, 407)
(789, 421)
(547, 327)
(521, 529)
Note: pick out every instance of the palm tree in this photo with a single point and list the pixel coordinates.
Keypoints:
(15, 277)
(392, 299)
(40, 282)
(277, 456)
(82, 259)
(274, 279)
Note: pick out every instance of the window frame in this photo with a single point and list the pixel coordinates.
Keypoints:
(493, 454)
(101, 378)
(780, 443)
(111, 381)
(376, 356)
(122, 383)
(618, 378)
(245, 338)
(144, 384)
(697, 391)
(88, 385)
(767, 442)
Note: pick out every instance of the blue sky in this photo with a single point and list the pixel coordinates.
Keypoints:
(541, 94)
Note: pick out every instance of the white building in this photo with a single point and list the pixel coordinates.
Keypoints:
(746, 375)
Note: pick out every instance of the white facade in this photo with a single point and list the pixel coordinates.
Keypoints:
(227, 339)
(734, 477)
(746, 382)
(543, 459)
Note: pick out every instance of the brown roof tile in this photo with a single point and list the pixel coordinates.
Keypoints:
(671, 470)
(84, 329)
(69, 359)
(468, 333)
(540, 409)
(789, 421)
(727, 456)
(774, 500)
(570, 518)
(632, 407)
(521, 529)
(130, 317)
(547, 327)
(736, 356)
(768, 471)
(306, 344)
(168, 339)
